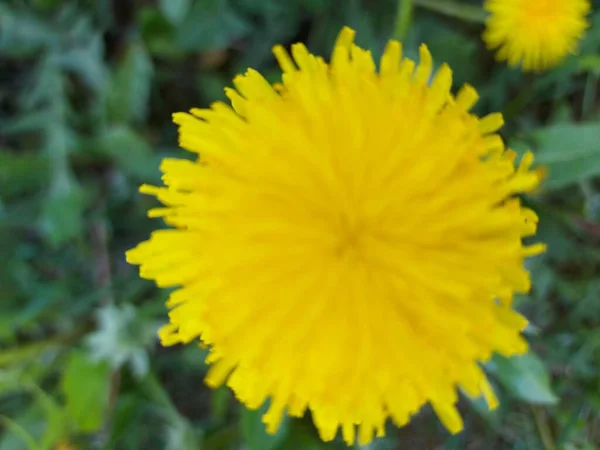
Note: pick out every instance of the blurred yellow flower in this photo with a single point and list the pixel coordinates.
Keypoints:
(536, 34)
(347, 241)
(64, 445)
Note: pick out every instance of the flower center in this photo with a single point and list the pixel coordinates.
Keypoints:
(350, 241)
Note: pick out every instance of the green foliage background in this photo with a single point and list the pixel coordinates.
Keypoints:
(86, 92)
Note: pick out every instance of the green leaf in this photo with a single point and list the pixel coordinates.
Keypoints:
(87, 61)
(41, 425)
(315, 6)
(11, 379)
(303, 436)
(277, 22)
(129, 151)
(18, 430)
(552, 230)
(155, 391)
(254, 430)
(452, 46)
(210, 25)
(46, 3)
(124, 418)
(56, 423)
(21, 174)
(181, 435)
(23, 34)
(571, 152)
(525, 377)
(213, 85)
(456, 9)
(492, 417)
(383, 443)
(130, 87)
(589, 63)
(62, 211)
(325, 30)
(174, 10)
(85, 385)
(30, 121)
(220, 403)
(158, 34)
(372, 21)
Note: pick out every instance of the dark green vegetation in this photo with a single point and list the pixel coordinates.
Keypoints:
(86, 92)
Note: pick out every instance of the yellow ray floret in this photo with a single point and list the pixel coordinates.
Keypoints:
(536, 34)
(347, 242)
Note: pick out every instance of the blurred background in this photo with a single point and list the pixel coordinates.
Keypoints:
(87, 89)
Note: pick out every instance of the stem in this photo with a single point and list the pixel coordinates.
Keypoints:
(571, 423)
(468, 13)
(103, 280)
(31, 351)
(587, 108)
(17, 429)
(223, 438)
(155, 391)
(522, 100)
(543, 428)
(589, 95)
(403, 19)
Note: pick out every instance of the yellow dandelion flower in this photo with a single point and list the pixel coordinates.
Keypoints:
(64, 445)
(536, 34)
(348, 241)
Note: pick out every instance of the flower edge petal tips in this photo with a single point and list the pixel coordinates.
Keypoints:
(535, 34)
(348, 241)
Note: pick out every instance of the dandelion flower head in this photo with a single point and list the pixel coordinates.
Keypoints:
(537, 34)
(347, 241)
